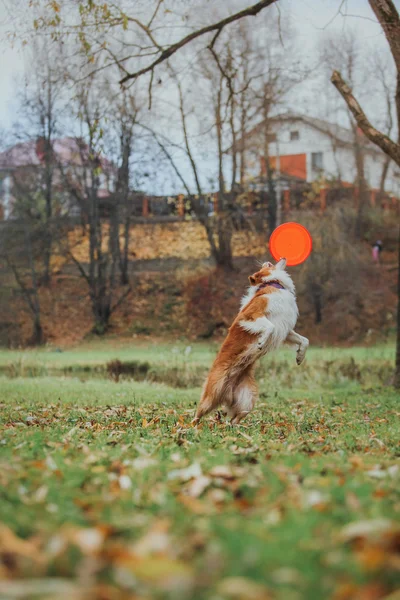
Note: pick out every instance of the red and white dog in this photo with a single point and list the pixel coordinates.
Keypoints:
(266, 320)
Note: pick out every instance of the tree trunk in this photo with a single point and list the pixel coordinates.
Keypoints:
(272, 205)
(48, 237)
(384, 173)
(123, 199)
(389, 19)
(114, 248)
(34, 302)
(272, 208)
(397, 367)
(224, 255)
(361, 183)
(101, 313)
(38, 334)
(316, 292)
(124, 261)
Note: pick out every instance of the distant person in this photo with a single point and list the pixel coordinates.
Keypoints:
(376, 251)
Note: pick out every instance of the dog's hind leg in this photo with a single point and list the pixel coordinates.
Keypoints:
(211, 398)
(206, 405)
(244, 397)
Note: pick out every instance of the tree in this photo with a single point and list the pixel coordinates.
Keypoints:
(20, 248)
(336, 263)
(383, 73)
(345, 50)
(107, 30)
(128, 114)
(273, 73)
(122, 122)
(389, 18)
(40, 114)
(218, 224)
(83, 180)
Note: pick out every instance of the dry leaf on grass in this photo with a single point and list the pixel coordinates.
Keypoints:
(367, 529)
(159, 572)
(11, 544)
(190, 472)
(197, 486)
(38, 589)
(155, 541)
(142, 462)
(381, 472)
(241, 588)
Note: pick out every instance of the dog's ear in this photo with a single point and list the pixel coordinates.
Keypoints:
(252, 280)
(281, 264)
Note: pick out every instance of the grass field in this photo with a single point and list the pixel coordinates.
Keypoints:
(107, 492)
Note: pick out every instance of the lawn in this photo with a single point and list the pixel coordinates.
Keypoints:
(106, 491)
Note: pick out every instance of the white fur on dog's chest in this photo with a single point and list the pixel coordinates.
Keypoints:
(282, 312)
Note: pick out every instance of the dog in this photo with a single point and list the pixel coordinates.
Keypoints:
(266, 320)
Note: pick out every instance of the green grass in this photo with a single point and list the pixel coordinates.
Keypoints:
(95, 488)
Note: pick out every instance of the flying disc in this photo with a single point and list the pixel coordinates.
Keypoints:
(291, 241)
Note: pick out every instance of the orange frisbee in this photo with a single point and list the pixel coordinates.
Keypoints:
(291, 241)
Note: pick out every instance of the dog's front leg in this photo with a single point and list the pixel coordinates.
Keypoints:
(261, 327)
(302, 344)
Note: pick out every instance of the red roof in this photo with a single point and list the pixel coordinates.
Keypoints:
(67, 150)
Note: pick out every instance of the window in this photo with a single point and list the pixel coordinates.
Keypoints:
(317, 161)
(294, 135)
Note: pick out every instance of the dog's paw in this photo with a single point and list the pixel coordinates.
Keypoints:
(301, 354)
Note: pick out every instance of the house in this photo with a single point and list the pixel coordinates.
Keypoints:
(309, 149)
(23, 166)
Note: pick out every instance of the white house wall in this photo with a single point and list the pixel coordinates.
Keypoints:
(338, 162)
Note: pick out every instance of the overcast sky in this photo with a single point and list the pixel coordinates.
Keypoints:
(310, 17)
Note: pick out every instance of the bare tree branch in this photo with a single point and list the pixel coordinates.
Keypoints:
(376, 137)
(80, 267)
(168, 52)
(169, 157)
(121, 299)
(387, 15)
(389, 18)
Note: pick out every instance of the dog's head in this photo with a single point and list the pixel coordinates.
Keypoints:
(271, 272)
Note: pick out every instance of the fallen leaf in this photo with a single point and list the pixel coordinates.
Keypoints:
(11, 544)
(165, 573)
(190, 472)
(198, 485)
(125, 482)
(367, 529)
(222, 471)
(40, 588)
(241, 588)
(155, 541)
(142, 462)
(315, 499)
(40, 495)
(195, 505)
(89, 540)
(381, 473)
(352, 501)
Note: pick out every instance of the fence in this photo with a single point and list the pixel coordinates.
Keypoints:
(298, 197)
(248, 203)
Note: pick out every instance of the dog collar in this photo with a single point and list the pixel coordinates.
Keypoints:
(275, 283)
